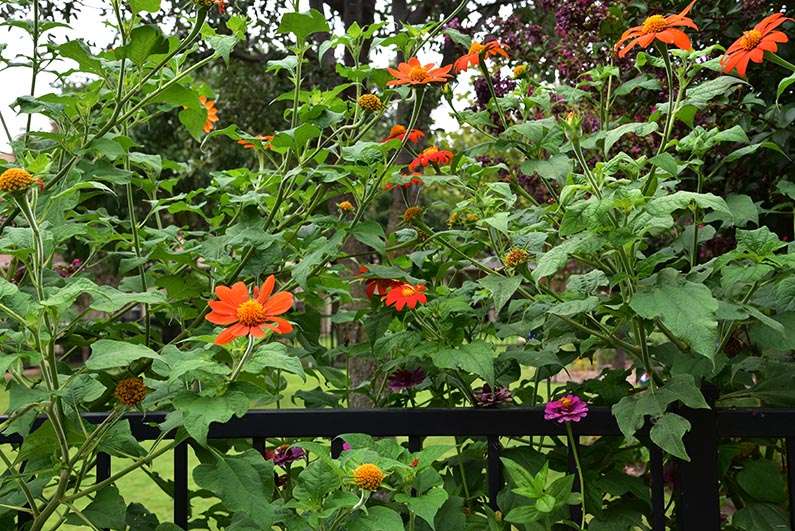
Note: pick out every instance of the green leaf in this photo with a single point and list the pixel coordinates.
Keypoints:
(569, 308)
(555, 168)
(687, 308)
(668, 204)
(638, 128)
(667, 433)
(783, 85)
(426, 505)
(377, 518)
(150, 6)
(274, 355)
(476, 358)
(145, 41)
(198, 412)
(371, 233)
(762, 242)
(296, 138)
(243, 483)
(108, 353)
(304, 24)
(501, 288)
(79, 52)
(106, 511)
(761, 517)
(763, 481)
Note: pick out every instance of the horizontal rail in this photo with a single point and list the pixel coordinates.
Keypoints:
(430, 422)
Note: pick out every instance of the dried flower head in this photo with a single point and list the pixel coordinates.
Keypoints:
(515, 257)
(403, 379)
(368, 476)
(370, 102)
(519, 70)
(345, 206)
(18, 180)
(410, 213)
(130, 391)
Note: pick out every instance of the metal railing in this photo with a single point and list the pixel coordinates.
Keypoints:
(696, 483)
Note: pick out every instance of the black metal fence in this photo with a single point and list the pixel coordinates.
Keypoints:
(696, 483)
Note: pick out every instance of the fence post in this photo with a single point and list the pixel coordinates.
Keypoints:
(697, 481)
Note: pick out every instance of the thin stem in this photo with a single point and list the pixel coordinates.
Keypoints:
(243, 359)
(774, 58)
(34, 63)
(576, 454)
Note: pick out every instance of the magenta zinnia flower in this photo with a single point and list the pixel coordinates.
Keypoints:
(403, 379)
(488, 397)
(570, 408)
(283, 455)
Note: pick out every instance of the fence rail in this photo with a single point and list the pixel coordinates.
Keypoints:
(696, 483)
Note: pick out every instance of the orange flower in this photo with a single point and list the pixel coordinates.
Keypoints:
(249, 315)
(377, 286)
(264, 140)
(753, 44)
(658, 27)
(414, 73)
(403, 294)
(414, 181)
(472, 58)
(368, 476)
(432, 155)
(212, 113)
(398, 132)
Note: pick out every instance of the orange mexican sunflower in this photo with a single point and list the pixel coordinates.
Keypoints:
(414, 181)
(476, 49)
(212, 113)
(432, 155)
(754, 43)
(398, 132)
(264, 140)
(249, 316)
(660, 28)
(377, 286)
(403, 294)
(415, 73)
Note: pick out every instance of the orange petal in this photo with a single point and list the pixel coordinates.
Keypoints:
(221, 318)
(256, 331)
(676, 37)
(280, 326)
(228, 335)
(686, 10)
(266, 289)
(278, 303)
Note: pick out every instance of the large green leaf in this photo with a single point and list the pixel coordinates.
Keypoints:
(108, 353)
(476, 358)
(304, 24)
(198, 412)
(243, 483)
(501, 288)
(106, 511)
(686, 308)
(667, 433)
(378, 518)
(425, 505)
(638, 128)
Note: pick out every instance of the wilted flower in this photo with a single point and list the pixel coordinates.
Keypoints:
(67, 270)
(18, 180)
(345, 206)
(570, 408)
(515, 257)
(399, 132)
(284, 454)
(262, 140)
(488, 397)
(403, 379)
(130, 391)
(368, 476)
(370, 102)
(410, 213)
(212, 113)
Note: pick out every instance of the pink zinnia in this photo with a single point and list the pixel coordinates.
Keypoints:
(570, 408)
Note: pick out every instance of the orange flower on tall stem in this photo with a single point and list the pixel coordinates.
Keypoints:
(658, 28)
(476, 50)
(415, 73)
(212, 113)
(403, 295)
(262, 140)
(754, 43)
(249, 316)
(398, 132)
(432, 155)
(377, 286)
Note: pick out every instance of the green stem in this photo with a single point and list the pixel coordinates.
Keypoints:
(243, 359)
(774, 58)
(576, 454)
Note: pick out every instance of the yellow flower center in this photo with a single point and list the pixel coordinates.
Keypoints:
(418, 74)
(368, 476)
(566, 402)
(431, 150)
(476, 47)
(16, 180)
(250, 313)
(750, 39)
(408, 291)
(654, 24)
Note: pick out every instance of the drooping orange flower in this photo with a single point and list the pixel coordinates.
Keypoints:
(660, 28)
(414, 180)
(415, 73)
(398, 132)
(476, 49)
(249, 315)
(377, 286)
(212, 113)
(263, 140)
(754, 43)
(403, 295)
(432, 155)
